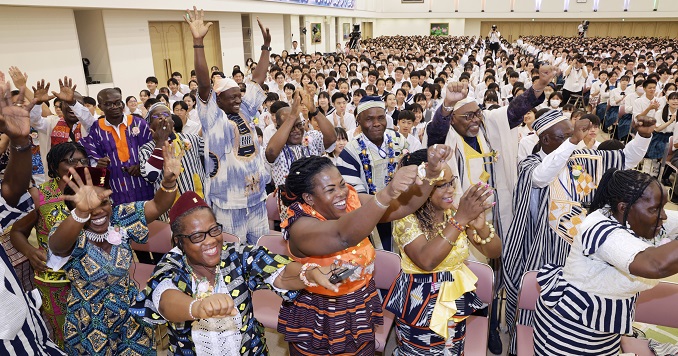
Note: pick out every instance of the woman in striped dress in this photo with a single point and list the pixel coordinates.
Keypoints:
(433, 244)
(328, 225)
(586, 305)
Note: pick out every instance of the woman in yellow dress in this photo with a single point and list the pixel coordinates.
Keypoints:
(434, 293)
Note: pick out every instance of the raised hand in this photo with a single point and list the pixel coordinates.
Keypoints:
(403, 179)
(473, 203)
(645, 125)
(86, 198)
(66, 91)
(196, 22)
(15, 118)
(41, 92)
(546, 75)
(171, 168)
(438, 155)
(265, 33)
(455, 92)
(218, 305)
(581, 130)
(19, 79)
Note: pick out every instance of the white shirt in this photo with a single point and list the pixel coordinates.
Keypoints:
(574, 82)
(552, 164)
(413, 143)
(640, 104)
(191, 127)
(347, 122)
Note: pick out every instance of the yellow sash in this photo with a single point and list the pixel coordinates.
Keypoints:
(446, 307)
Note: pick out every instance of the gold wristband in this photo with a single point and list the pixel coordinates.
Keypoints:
(169, 190)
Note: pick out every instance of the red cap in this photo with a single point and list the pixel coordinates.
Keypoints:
(100, 176)
(187, 201)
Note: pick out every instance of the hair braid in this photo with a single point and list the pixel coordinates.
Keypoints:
(60, 152)
(620, 186)
(300, 178)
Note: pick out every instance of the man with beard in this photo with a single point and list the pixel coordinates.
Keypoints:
(369, 160)
(485, 152)
(114, 142)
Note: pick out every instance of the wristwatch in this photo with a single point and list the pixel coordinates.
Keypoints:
(265, 48)
(448, 108)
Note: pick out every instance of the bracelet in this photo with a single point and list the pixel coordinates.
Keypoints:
(481, 241)
(190, 308)
(302, 274)
(169, 190)
(379, 204)
(79, 219)
(23, 148)
(452, 243)
(421, 172)
(457, 225)
(198, 46)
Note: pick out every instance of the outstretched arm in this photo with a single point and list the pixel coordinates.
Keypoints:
(199, 30)
(259, 74)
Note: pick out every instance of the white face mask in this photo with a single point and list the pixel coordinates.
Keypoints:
(640, 91)
(669, 92)
(555, 103)
(567, 114)
(673, 70)
(355, 87)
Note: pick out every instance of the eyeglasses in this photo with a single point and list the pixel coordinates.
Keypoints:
(115, 104)
(448, 184)
(472, 115)
(162, 115)
(73, 161)
(200, 236)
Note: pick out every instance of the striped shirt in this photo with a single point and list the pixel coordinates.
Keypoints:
(237, 171)
(121, 145)
(23, 331)
(193, 175)
(353, 170)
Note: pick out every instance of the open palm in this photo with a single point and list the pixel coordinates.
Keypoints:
(66, 90)
(86, 198)
(41, 92)
(196, 22)
(15, 120)
(172, 161)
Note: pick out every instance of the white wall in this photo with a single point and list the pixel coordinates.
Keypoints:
(421, 27)
(275, 25)
(323, 45)
(93, 46)
(472, 27)
(129, 43)
(43, 42)
(295, 34)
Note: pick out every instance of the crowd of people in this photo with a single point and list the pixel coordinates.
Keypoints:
(441, 149)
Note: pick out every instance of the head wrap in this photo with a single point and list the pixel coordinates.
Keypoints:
(187, 201)
(100, 176)
(547, 120)
(158, 104)
(223, 84)
(462, 102)
(369, 102)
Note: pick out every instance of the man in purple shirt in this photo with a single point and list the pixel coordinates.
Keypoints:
(114, 142)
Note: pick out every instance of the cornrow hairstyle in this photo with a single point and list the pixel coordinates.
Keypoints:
(300, 178)
(622, 186)
(426, 213)
(58, 153)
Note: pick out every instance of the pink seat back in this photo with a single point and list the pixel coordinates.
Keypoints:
(485, 284)
(386, 269)
(275, 243)
(657, 306)
(272, 207)
(529, 291)
(230, 237)
(159, 238)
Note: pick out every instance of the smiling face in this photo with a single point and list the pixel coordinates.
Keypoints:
(160, 116)
(101, 216)
(229, 100)
(110, 102)
(442, 196)
(466, 120)
(329, 193)
(206, 253)
(297, 132)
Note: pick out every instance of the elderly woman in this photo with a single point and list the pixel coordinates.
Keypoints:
(202, 288)
(187, 147)
(433, 243)
(96, 239)
(585, 306)
(49, 210)
(329, 224)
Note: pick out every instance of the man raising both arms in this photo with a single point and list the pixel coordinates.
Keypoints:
(236, 187)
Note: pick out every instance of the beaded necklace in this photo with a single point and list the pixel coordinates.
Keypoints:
(204, 289)
(367, 165)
